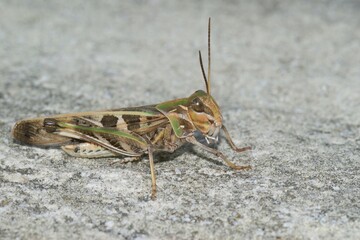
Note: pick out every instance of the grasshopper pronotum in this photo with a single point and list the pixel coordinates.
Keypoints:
(134, 131)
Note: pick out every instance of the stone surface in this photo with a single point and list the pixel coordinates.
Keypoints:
(286, 75)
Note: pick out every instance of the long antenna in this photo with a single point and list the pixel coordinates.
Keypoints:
(209, 58)
(203, 72)
(207, 80)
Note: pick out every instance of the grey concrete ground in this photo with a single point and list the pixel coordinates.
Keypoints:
(285, 73)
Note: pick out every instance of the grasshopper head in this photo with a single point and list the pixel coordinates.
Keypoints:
(203, 110)
(205, 115)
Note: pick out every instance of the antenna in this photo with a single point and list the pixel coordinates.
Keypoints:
(209, 59)
(203, 72)
(207, 80)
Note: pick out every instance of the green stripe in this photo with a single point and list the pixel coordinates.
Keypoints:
(103, 130)
(169, 105)
(137, 113)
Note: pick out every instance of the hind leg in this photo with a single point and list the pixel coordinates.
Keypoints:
(126, 160)
(87, 150)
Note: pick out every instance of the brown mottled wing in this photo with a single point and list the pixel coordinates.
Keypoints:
(31, 131)
(139, 120)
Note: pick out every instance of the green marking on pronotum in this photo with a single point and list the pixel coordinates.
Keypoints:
(166, 108)
(175, 124)
(169, 105)
(137, 113)
(103, 130)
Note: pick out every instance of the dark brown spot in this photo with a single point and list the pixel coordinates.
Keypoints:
(135, 149)
(132, 121)
(83, 121)
(50, 125)
(150, 120)
(77, 149)
(109, 121)
(23, 131)
(27, 130)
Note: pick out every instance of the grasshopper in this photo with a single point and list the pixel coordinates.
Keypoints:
(134, 131)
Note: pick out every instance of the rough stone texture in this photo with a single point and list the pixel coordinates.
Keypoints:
(285, 73)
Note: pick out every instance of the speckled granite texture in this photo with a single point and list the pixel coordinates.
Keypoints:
(285, 73)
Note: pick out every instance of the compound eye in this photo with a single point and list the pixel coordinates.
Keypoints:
(197, 105)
